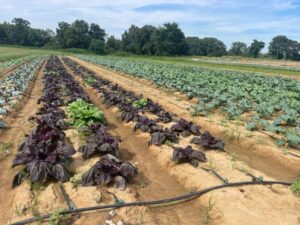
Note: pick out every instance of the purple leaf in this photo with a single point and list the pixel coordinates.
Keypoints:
(182, 155)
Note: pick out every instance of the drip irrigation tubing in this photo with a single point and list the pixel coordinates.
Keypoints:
(254, 178)
(296, 155)
(66, 197)
(225, 181)
(188, 196)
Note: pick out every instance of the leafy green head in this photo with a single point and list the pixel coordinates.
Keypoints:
(141, 103)
(82, 114)
(89, 81)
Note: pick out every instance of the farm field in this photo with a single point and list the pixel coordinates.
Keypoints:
(264, 63)
(261, 66)
(114, 133)
(260, 103)
(12, 52)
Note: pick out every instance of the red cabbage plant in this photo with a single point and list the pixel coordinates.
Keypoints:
(188, 155)
(207, 141)
(161, 137)
(99, 141)
(107, 170)
(185, 128)
(146, 125)
(45, 155)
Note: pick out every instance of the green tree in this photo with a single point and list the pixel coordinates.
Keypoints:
(20, 31)
(146, 43)
(173, 40)
(61, 34)
(97, 46)
(165, 40)
(283, 48)
(238, 48)
(77, 35)
(39, 37)
(210, 46)
(255, 48)
(113, 44)
(130, 40)
(6, 33)
(194, 45)
(95, 32)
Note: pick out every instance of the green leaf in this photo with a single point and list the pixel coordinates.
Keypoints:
(83, 114)
(293, 139)
(140, 103)
(251, 126)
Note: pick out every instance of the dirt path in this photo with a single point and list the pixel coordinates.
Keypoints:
(19, 126)
(153, 181)
(257, 150)
(158, 178)
(246, 205)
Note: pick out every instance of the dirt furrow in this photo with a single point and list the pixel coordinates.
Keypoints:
(232, 206)
(256, 150)
(153, 181)
(19, 126)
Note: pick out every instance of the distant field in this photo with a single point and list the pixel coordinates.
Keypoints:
(265, 66)
(12, 52)
(273, 67)
(7, 53)
(260, 62)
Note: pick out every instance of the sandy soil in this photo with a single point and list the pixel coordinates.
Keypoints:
(246, 205)
(256, 150)
(158, 177)
(19, 126)
(153, 180)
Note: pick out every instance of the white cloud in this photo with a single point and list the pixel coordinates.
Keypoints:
(228, 20)
(284, 4)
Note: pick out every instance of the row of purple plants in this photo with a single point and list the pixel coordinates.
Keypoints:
(134, 108)
(46, 154)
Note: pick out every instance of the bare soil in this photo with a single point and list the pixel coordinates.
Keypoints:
(153, 181)
(19, 126)
(158, 175)
(257, 150)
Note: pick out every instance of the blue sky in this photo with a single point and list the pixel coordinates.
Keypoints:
(228, 20)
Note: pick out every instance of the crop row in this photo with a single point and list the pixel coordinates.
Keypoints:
(14, 62)
(271, 103)
(14, 86)
(135, 109)
(46, 153)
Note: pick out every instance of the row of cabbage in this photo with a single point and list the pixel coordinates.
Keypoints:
(14, 62)
(271, 103)
(14, 86)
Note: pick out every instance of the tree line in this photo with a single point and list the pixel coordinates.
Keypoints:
(167, 39)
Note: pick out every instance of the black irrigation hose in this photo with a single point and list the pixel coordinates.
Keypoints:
(154, 202)
(254, 178)
(225, 181)
(290, 153)
(66, 197)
